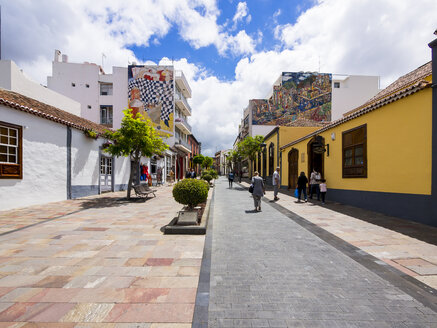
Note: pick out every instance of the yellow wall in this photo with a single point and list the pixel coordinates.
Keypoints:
(398, 149)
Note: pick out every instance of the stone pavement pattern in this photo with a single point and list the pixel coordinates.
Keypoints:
(404, 251)
(97, 262)
(268, 271)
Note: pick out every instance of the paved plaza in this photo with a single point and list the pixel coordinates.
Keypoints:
(276, 269)
(103, 262)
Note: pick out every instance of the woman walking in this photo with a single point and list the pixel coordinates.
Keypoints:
(258, 190)
(302, 186)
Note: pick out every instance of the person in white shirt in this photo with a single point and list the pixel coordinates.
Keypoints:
(323, 190)
(276, 183)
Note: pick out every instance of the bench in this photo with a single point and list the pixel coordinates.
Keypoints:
(143, 190)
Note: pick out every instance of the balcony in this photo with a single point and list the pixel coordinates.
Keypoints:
(182, 103)
(182, 83)
(182, 145)
(183, 125)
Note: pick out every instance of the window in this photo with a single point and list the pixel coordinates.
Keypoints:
(106, 89)
(10, 151)
(355, 153)
(106, 115)
(73, 84)
(336, 85)
(87, 85)
(89, 106)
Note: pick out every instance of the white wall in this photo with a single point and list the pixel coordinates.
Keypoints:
(262, 130)
(64, 74)
(12, 78)
(44, 162)
(84, 159)
(354, 91)
(120, 96)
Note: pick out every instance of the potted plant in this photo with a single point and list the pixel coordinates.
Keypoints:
(190, 192)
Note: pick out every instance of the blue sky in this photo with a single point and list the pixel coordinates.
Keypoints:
(264, 15)
(230, 51)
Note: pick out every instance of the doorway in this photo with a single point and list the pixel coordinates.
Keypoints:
(316, 157)
(293, 172)
(105, 173)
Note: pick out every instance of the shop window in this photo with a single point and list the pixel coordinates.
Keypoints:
(336, 85)
(355, 153)
(10, 151)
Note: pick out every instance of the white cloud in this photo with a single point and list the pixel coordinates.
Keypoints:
(387, 38)
(366, 37)
(241, 12)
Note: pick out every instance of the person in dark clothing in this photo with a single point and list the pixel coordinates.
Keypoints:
(193, 174)
(302, 186)
(231, 178)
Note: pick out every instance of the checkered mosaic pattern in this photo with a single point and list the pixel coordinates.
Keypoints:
(154, 92)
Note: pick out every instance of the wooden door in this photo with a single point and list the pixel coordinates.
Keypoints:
(293, 172)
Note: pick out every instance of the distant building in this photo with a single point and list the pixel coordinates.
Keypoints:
(158, 92)
(195, 148)
(317, 97)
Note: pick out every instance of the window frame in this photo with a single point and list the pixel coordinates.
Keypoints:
(353, 147)
(5, 167)
(109, 91)
(106, 116)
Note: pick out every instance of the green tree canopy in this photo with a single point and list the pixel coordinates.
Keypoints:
(198, 159)
(250, 146)
(207, 162)
(135, 138)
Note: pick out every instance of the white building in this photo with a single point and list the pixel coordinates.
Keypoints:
(348, 92)
(46, 156)
(103, 97)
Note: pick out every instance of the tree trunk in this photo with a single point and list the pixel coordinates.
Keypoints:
(131, 175)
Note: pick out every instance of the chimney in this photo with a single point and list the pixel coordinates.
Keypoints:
(64, 58)
(57, 56)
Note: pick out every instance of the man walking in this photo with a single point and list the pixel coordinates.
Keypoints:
(276, 183)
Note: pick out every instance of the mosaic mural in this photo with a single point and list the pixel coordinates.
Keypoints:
(300, 95)
(151, 93)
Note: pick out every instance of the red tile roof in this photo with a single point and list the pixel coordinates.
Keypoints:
(17, 101)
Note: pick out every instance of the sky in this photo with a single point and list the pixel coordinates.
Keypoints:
(230, 51)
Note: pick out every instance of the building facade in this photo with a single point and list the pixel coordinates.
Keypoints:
(382, 156)
(159, 92)
(319, 97)
(47, 155)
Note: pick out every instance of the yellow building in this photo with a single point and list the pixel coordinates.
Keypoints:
(379, 156)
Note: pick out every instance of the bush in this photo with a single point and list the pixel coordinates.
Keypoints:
(213, 173)
(190, 192)
(207, 177)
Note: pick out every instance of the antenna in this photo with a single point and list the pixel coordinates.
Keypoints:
(103, 56)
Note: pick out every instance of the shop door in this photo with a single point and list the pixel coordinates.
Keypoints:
(293, 173)
(105, 173)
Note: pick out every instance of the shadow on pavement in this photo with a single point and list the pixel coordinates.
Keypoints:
(102, 202)
(412, 229)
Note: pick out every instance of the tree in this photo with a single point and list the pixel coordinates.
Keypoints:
(250, 146)
(207, 162)
(198, 159)
(236, 157)
(135, 138)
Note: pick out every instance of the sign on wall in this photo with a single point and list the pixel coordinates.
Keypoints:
(151, 93)
(304, 95)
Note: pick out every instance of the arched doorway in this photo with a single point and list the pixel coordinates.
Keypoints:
(293, 163)
(316, 157)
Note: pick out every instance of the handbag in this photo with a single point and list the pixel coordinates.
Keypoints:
(251, 188)
(296, 193)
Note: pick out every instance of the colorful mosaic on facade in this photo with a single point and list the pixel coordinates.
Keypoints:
(299, 96)
(151, 91)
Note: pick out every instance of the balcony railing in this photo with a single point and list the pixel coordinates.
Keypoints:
(183, 125)
(181, 142)
(182, 103)
(182, 83)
